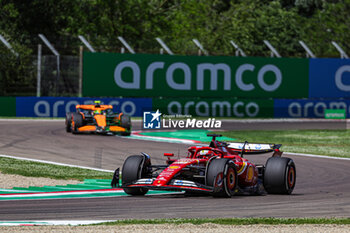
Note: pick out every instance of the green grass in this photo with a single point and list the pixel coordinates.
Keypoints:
(36, 169)
(235, 221)
(322, 142)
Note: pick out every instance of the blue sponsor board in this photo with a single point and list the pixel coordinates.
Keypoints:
(297, 108)
(329, 78)
(58, 106)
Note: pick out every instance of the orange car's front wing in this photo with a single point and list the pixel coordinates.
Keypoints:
(92, 128)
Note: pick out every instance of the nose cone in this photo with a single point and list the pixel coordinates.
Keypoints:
(100, 120)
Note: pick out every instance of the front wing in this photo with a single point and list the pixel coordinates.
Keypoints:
(173, 185)
(96, 129)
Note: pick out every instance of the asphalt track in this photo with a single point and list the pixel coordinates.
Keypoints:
(322, 189)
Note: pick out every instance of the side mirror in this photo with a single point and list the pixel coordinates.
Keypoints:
(169, 154)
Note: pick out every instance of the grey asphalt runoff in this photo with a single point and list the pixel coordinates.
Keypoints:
(322, 187)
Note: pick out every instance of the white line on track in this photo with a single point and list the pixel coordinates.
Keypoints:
(136, 135)
(54, 163)
(316, 156)
(17, 191)
(52, 222)
(77, 194)
(60, 193)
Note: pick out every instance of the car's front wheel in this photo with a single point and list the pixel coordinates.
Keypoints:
(221, 174)
(68, 122)
(77, 121)
(134, 168)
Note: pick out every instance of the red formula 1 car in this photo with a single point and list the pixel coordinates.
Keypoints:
(219, 169)
(97, 118)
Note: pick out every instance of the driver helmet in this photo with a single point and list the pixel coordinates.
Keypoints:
(97, 112)
(97, 103)
(206, 153)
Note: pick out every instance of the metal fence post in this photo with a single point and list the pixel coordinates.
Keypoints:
(273, 50)
(86, 43)
(309, 53)
(128, 47)
(80, 71)
(7, 44)
(340, 50)
(38, 85)
(58, 73)
(54, 51)
(238, 49)
(164, 46)
(200, 46)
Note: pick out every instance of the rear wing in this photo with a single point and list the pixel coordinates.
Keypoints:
(93, 107)
(246, 147)
(255, 148)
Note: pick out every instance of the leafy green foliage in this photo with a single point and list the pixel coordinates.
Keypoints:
(214, 23)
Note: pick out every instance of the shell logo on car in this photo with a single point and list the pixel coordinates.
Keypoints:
(250, 173)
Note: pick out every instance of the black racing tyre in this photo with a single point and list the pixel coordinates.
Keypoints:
(78, 121)
(125, 121)
(279, 175)
(68, 122)
(221, 174)
(126, 133)
(134, 168)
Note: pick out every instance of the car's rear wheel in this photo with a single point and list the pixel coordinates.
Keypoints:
(77, 121)
(134, 168)
(221, 174)
(279, 175)
(68, 122)
(125, 121)
(127, 133)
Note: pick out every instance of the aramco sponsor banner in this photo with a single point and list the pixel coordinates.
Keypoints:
(306, 108)
(204, 107)
(215, 107)
(329, 78)
(150, 75)
(58, 106)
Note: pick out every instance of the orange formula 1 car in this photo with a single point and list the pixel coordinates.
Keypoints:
(97, 118)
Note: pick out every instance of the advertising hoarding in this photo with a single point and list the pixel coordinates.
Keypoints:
(329, 78)
(58, 106)
(150, 75)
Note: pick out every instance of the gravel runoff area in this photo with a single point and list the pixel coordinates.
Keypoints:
(8, 181)
(203, 228)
